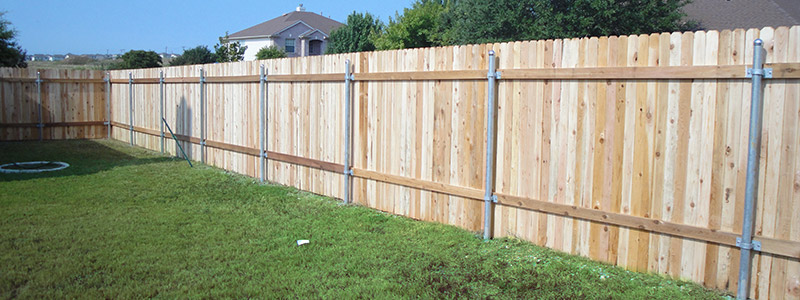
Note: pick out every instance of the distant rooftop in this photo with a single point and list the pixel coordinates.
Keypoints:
(276, 25)
(733, 14)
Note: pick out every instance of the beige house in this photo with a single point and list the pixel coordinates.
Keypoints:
(299, 33)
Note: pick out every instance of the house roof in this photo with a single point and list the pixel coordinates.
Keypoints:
(733, 14)
(276, 25)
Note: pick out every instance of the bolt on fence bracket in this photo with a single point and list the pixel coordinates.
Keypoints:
(765, 73)
(753, 245)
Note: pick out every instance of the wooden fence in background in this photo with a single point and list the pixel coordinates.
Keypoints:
(630, 150)
(73, 104)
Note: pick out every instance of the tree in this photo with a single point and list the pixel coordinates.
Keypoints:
(270, 52)
(418, 26)
(477, 21)
(616, 17)
(137, 59)
(194, 56)
(355, 35)
(11, 54)
(228, 51)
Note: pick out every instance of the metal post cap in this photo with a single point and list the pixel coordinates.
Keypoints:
(491, 52)
(758, 42)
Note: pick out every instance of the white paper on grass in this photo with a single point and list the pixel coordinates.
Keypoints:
(302, 242)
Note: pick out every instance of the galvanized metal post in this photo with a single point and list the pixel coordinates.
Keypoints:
(265, 153)
(108, 105)
(348, 173)
(39, 125)
(261, 124)
(746, 242)
(202, 117)
(130, 101)
(490, 142)
(161, 106)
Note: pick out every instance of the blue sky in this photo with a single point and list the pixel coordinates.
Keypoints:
(112, 26)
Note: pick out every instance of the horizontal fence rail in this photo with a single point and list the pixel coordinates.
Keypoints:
(779, 71)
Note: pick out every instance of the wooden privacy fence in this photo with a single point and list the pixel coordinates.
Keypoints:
(59, 104)
(630, 150)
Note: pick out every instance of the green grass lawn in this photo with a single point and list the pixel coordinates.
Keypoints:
(123, 222)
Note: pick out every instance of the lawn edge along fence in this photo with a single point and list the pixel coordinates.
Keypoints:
(623, 149)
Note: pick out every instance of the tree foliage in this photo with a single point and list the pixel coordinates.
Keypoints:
(478, 21)
(137, 59)
(11, 54)
(270, 52)
(580, 18)
(418, 26)
(228, 51)
(194, 56)
(355, 36)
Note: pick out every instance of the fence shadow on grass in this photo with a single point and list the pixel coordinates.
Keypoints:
(84, 157)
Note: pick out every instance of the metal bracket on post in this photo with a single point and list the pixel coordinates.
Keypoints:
(347, 108)
(108, 105)
(202, 117)
(492, 75)
(752, 245)
(40, 125)
(745, 242)
(765, 73)
(130, 101)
